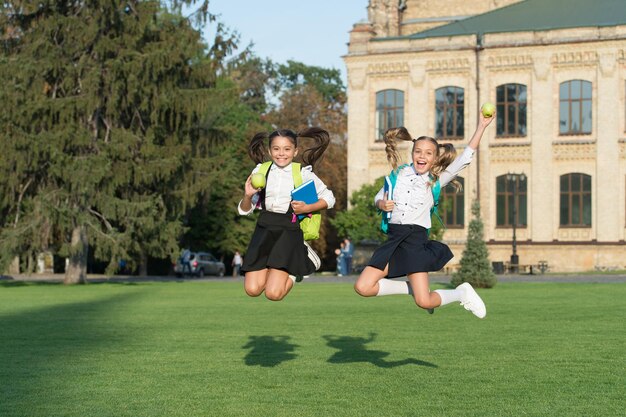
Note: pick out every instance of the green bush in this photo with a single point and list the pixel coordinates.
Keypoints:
(475, 266)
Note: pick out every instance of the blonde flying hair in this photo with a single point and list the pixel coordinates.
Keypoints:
(446, 153)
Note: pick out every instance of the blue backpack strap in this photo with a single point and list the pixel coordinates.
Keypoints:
(392, 178)
(436, 190)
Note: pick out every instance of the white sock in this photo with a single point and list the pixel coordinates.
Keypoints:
(449, 296)
(389, 287)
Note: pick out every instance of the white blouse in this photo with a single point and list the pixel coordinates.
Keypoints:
(412, 194)
(279, 186)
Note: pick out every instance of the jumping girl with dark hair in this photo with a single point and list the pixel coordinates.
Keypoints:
(277, 255)
(408, 251)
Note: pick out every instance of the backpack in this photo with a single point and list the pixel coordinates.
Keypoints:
(311, 223)
(390, 184)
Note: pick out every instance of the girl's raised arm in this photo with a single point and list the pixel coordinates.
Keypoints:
(480, 129)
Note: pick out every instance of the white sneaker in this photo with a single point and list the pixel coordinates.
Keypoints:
(471, 301)
(297, 278)
(313, 256)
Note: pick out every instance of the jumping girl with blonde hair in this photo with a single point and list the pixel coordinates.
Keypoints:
(408, 251)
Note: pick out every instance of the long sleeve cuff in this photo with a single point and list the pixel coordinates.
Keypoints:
(242, 212)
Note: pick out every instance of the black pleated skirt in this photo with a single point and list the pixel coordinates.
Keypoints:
(408, 250)
(279, 244)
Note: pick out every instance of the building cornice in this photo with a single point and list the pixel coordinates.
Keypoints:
(388, 68)
(574, 150)
(378, 46)
(510, 152)
(448, 65)
(509, 61)
(577, 58)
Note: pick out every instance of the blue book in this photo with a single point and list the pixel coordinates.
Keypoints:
(387, 188)
(306, 193)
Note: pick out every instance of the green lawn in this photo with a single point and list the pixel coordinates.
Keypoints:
(205, 349)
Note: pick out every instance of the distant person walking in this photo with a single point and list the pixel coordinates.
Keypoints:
(186, 261)
(348, 251)
(341, 260)
(237, 261)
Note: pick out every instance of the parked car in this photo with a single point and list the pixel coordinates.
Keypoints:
(200, 264)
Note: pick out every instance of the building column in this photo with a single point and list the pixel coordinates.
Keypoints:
(358, 129)
(605, 208)
(543, 112)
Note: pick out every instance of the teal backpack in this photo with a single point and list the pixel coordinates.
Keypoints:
(390, 184)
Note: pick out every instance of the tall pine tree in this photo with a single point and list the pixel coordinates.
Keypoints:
(105, 131)
(475, 267)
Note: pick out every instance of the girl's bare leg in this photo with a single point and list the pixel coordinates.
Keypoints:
(424, 298)
(278, 284)
(367, 283)
(254, 282)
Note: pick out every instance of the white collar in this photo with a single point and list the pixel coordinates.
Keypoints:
(284, 169)
(409, 171)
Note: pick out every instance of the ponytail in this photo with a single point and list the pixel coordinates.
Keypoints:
(256, 151)
(322, 139)
(390, 137)
(446, 153)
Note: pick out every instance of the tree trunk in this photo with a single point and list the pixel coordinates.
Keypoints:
(14, 267)
(143, 265)
(76, 272)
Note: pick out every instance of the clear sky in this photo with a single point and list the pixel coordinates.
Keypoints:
(314, 32)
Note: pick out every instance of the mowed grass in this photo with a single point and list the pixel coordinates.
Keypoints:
(206, 349)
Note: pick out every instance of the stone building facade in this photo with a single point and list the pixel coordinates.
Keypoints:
(555, 160)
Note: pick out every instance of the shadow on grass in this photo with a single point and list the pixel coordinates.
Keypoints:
(14, 284)
(19, 283)
(43, 347)
(269, 351)
(352, 349)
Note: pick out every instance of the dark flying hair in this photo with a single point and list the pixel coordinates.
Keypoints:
(310, 156)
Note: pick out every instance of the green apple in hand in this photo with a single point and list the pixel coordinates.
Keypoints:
(258, 180)
(488, 109)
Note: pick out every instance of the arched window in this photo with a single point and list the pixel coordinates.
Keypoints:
(575, 107)
(511, 114)
(575, 210)
(511, 200)
(452, 207)
(449, 107)
(389, 111)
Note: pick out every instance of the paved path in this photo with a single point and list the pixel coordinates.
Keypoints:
(435, 278)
